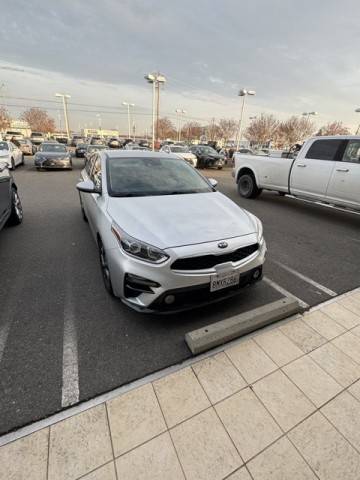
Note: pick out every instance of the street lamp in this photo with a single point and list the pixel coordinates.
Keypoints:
(358, 129)
(242, 93)
(128, 105)
(179, 112)
(156, 79)
(65, 97)
(99, 120)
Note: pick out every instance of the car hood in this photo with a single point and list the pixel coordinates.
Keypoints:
(4, 153)
(178, 220)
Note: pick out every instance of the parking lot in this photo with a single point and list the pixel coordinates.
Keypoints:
(63, 339)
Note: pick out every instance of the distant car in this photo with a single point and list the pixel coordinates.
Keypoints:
(53, 155)
(11, 154)
(207, 157)
(11, 212)
(9, 134)
(75, 140)
(37, 138)
(96, 140)
(80, 150)
(93, 148)
(26, 147)
(114, 143)
(182, 151)
(64, 140)
(135, 146)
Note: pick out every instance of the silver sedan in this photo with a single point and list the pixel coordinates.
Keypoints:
(167, 239)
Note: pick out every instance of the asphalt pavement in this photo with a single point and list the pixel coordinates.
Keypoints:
(58, 324)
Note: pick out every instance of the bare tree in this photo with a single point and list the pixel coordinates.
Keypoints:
(191, 131)
(166, 129)
(4, 118)
(294, 130)
(38, 120)
(212, 130)
(334, 128)
(262, 129)
(227, 128)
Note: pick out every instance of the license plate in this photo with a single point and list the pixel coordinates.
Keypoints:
(224, 280)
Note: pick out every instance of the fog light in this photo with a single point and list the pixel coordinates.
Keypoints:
(256, 274)
(169, 299)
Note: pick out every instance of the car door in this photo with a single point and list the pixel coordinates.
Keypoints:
(344, 186)
(16, 154)
(312, 169)
(4, 194)
(95, 201)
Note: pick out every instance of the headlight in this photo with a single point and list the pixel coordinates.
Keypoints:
(138, 249)
(260, 231)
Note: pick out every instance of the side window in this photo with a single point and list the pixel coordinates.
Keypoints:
(95, 174)
(324, 149)
(352, 152)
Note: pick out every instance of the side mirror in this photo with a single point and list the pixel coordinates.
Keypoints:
(213, 182)
(87, 187)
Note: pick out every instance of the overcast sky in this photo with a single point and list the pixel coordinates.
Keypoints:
(298, 56)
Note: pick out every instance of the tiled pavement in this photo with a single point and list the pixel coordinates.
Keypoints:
(281, 404)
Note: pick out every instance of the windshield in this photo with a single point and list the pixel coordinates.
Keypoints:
(208, 150)
(52, 147)
(136, 177)
(4, 146)
(179, 149)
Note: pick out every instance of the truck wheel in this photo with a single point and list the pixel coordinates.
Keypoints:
(247, 187)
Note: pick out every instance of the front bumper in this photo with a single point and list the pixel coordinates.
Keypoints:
(190, 288)
(55, 164)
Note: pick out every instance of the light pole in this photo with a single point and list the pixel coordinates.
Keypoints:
(65, 97)
(156, 79)
(242, 93)
(99, 120)
(179, 112)
(358, 129)
(128, 105)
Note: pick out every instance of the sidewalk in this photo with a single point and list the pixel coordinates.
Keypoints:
(283, 403)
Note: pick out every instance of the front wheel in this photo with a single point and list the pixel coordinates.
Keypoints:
(219, 167)
(16, 215)
(105, 268)
(247, 187)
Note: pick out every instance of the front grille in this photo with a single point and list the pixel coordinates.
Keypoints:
(208, 261)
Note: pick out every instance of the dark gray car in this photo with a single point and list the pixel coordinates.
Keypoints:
(11, 212)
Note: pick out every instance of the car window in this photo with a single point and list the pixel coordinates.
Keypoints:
(324, 149)
(4, 146)
(352, 152)
(52, 147)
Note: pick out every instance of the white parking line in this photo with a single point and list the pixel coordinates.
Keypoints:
(284, 292)
(70, 375)
(4, 332)
(317, 285)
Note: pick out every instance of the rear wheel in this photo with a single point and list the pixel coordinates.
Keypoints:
(247, 187)
(22, 160)
(12, 166)
(105, 268)
(16, 215)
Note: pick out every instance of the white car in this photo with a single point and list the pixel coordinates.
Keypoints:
(167, 239)
(11, 154)
(182, 151)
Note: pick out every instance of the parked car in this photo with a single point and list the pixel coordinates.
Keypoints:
(96, 140)
(75, 140)
(182, 151)
(10, 134)
(167, 239)
(114, 143)
(37, 138)
(93, 148)
(80, 150)
(207, 157)
(11, 212)
(326, 169)
(52, 155)
(135, 146)
(26, 146)
(11, 154)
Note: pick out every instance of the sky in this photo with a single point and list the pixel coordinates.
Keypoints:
(298, 56)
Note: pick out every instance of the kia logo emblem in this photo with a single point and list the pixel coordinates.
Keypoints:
(222, 244)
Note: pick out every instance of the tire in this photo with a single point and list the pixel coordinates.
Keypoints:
(219, 168)
(282, 194)
(247, 187)
(12, 164)
(16, 215)
(22, 160)
(104, 268)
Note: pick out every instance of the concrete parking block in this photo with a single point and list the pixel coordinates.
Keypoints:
(323, 324)
(305, 337)
(312, 380)
(349, 344)
(248, 423)
(341, 315)
(154, 460)
(204, 448)
(280, 461)
(325, 449)
(337, 364)
(25, 458)
(287, 404)
(351, 304)
(134, 418)
(355, 390)
(106, 472)
(218, 377)
(344, 413)
(181, 396)
(251, 360)
(278, 346)
(79, 444)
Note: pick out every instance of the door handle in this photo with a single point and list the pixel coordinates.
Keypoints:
(302, 165)
(342, 169)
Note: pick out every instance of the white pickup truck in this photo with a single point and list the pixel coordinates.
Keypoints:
(326, 169)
